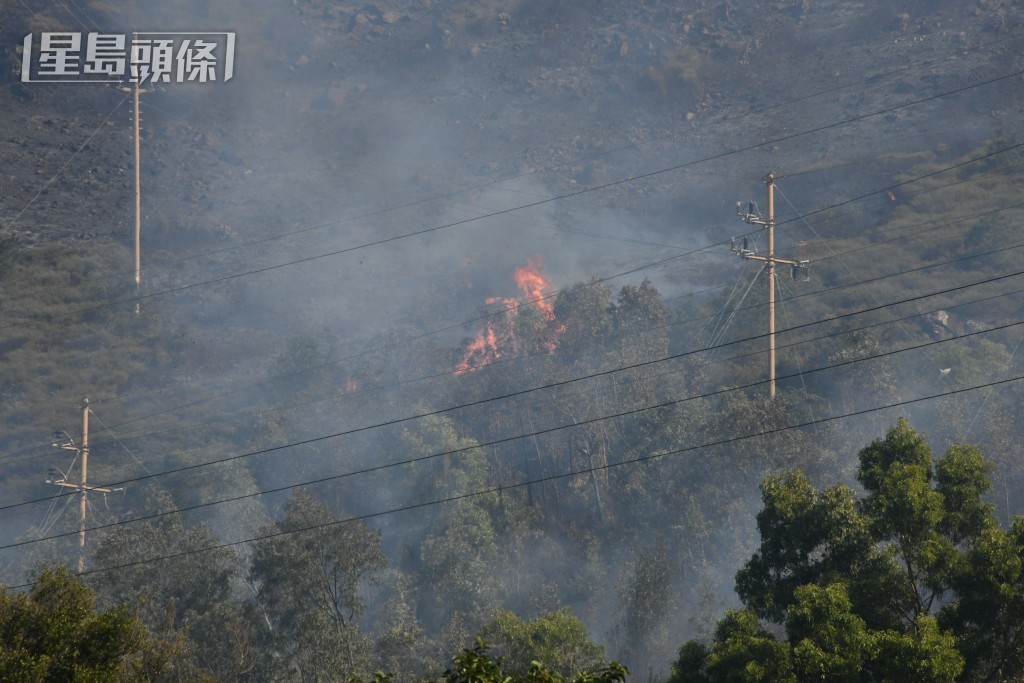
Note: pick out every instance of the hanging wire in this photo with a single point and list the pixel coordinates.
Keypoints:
(847, 267)
(67, 163)
(715, 345)
(129, 452)
(44, 527)
(49, 511)
(104, 518)
(44, 531)
(755, 239)
(721, 313)
(988, 395)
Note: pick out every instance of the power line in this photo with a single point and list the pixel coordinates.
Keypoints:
(837, 288)
(803, 217)
(703, 249)
(984, 402)
(932, 226)
(520, 392)
(668, 325)
(554, 477)
(126, 450)
(60, 170)
(672, 137)
(542, 202)
(405, 382)
(579, 423)
(593, 282)
(800, 296)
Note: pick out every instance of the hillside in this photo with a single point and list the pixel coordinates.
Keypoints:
(461, 269)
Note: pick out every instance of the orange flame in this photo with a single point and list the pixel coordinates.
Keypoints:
(533, 285)
(480, 352)
(491, 343)
(511, 304)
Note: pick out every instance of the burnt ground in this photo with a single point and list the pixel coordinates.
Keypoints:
(513, 87)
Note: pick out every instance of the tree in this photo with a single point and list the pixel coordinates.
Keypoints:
(476, 665)
(639, 318)
(400, 644)
(556, 639)
(459, 547)
(804, 535)
(584, 310)
(309, 574)
(54, 633)
(186, 596)
(315, 563)
(745, 652)
(830, 643)
(988, 617)
(646, 600)
(188, 585)
(912, 581)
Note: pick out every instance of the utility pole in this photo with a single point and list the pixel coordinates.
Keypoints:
(753, 216)
(136, 125)
(138, 190)
(83, 485)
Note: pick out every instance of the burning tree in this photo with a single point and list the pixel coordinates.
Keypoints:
(524, 323)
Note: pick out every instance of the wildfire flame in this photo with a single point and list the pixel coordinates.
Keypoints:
(481, 351)
(499, 338)
(533, 285)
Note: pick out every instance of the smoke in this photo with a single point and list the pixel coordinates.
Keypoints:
(458, 124)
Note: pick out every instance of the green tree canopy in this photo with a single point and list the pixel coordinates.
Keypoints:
(913, 581)
(476, 665)
(54, 633)
(309, 570)
(557, 639)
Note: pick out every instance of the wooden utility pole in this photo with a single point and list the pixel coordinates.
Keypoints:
(83, 485)
(752, 215)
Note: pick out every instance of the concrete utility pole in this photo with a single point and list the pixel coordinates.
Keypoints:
(136, 126)
(138, 188)
(752, 215)
(83, 486)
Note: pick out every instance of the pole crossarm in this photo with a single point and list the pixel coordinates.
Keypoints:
(79, 487)
(788, 262)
